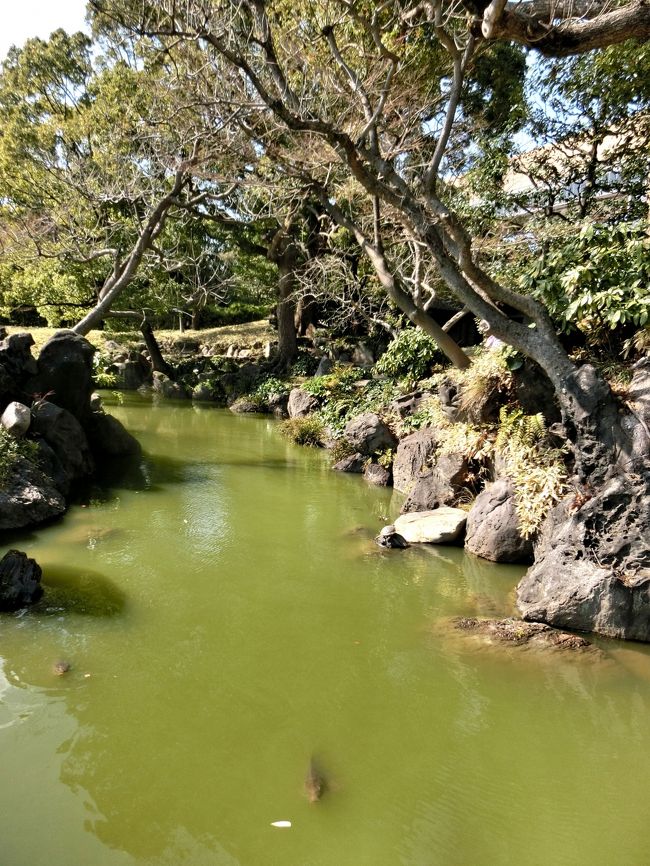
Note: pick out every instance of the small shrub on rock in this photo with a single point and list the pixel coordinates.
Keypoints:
(304, 431)
(12, 449)
(411, 355)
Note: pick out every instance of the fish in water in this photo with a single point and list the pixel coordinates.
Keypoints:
(61, 668)
(314, 783)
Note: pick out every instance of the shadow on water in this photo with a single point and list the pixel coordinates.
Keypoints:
(78, 591)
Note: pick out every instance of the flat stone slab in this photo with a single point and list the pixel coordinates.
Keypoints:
(440, 526)
(519, 633)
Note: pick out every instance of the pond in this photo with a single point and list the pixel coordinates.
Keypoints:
(228, 617)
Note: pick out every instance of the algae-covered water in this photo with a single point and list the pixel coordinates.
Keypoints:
(227, 617)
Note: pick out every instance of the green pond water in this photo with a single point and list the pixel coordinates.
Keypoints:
(227, 616)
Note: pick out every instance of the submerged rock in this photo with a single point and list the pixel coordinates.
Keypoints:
(109, 438)
(20, 580)
(519, 633)
(440, 526)
(351, 463)
(376, 474)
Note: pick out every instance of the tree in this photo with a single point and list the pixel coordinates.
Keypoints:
(375, 101)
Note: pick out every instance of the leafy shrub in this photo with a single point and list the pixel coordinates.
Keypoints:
(596, 279)
(411, 354)
(304, 365)
(101, 375)
(12, 449)
(304, 431)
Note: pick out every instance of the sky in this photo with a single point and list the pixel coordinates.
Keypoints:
(22, 19)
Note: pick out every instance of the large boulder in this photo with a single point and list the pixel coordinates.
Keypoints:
(17, 366)
(413, 454)
(638, 394)
(440, 526)
(16, 419)
(20, 580)
(368, 434)
(65, 435)
(441, 485)
(301, 403)
(132, 370)
(28, 496)
(493, 526)
(592, 562)
(109, 438)
(65, 373)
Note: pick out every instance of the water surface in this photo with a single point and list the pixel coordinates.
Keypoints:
(227, 615)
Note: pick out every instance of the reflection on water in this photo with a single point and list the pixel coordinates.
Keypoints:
(226, 615)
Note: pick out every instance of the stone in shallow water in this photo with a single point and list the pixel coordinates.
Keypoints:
(20, 580)
(440, 526)
(519, 633)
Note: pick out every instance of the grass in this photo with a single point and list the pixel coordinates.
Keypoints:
(247, 336)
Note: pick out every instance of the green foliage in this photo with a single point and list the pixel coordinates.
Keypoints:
(411, 354)
(536, 468)
(341, 449)
(101, 375)
(304, 365)
(347, 404)
(11, 450)
(304, 431)
(335, 385)
(596, 280)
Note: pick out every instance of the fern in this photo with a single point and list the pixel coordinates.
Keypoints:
(536, 468)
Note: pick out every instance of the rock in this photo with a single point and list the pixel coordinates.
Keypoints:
(109, 438)
(440, 485)
(208, 391)
(368, 434)
(96, 403)
(325, 366)
(20, 580)
(28, 497)
(638, 395)
(388, 537)
(301, 403)
(362, 356)
(16, 358)
(351, 463)
(450, 401)
(412, 456)
(52, 466)
(278, 405)
(132, 372)
(168, 389)
(61, 430)
(244, 406)
(493, 526)
(534, 392)
(65, 373)
(518, 633)
(592, 562)
(378, 475)
(441, 526)
(409, 403)
(16, 419)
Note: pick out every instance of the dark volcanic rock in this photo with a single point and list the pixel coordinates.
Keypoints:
(440, 485)
(167, 388)
(17, 367)
(65, 435)
(592, 562)
(368, 434)
(412, 456)
(518, 633)
(109, 438)
(28, 496)
(65, 372)
(20, 581)
(493, 526)
(390, 538)
(301, 403)
(351, 463)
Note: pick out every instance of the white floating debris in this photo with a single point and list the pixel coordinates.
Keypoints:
(281, 824)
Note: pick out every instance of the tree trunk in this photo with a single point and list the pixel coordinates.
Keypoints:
(286, 308)
(157, 361)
